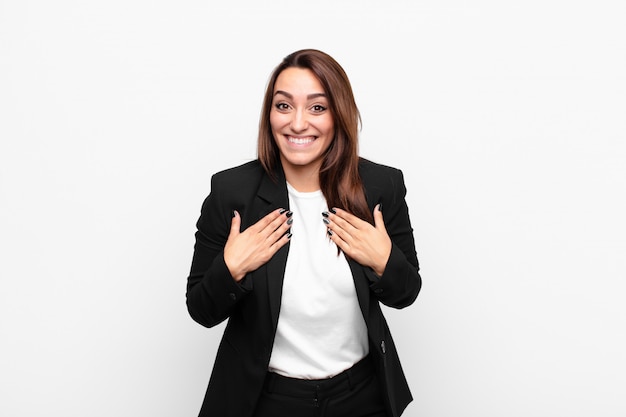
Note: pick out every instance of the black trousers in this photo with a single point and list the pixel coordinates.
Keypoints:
(355, 392)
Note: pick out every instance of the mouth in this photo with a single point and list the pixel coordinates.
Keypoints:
(301, 140)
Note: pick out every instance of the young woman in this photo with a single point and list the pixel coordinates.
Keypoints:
(297, 249)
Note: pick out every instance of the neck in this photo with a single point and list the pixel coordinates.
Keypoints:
(304, 179)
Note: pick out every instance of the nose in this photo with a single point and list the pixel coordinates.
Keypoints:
(299, 121)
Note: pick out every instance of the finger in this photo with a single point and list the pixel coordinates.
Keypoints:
(348, 218)
(282, 219)
(379, 223)
(341, 244)
(277, 240)
(339, 235)
(340, 225)
(280, 231)
(235, 224)
(286, 237)
(268, 220)
(277, 227)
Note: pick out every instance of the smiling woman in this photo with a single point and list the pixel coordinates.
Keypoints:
(293, 249)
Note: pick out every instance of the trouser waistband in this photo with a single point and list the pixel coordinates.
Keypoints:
(313, 388)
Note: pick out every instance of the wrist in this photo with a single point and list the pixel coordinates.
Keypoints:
(381, 265)
(235, 272)
(379, 271)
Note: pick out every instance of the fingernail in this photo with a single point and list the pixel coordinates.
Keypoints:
(289, 214)
(325, 220)
(330, 232)
(332, 210)
(289, 235)
(234, 213)
(282, 211)
(380, 207)
(289, 221)
(325, 213)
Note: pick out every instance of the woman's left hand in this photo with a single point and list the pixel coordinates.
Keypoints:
(368, 245)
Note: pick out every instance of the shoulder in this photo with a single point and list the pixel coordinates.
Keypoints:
(382, 183)
(237, 184)
(244, 170)
(378, 174)
(239, 176)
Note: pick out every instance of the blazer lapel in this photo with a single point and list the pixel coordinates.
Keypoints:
(273, 195)
(362, 287)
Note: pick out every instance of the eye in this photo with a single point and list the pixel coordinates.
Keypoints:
(281, 106)
(318, 108)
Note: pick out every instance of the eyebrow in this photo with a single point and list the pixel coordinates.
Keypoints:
(309, 97)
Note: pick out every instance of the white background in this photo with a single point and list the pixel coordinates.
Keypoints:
(507, 118)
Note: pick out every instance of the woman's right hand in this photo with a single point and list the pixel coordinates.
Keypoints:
(248, 250)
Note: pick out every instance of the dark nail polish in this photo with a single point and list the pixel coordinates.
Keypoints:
(330, 232)
(289, 214)
(325, 213)
(290, 221)
(289, 235)
(332, 210)
(234, 213)
(282, 211)
(380, 207)
(326, 221)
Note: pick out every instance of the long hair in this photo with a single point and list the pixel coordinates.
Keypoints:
(339, 177)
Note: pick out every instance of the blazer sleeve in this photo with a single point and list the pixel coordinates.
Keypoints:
(400, 283)
(212, 293)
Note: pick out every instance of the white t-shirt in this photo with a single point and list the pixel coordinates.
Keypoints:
(321, 331)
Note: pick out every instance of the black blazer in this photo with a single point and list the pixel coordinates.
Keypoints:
(252, 306)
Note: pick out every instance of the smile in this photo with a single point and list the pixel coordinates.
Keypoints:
(300, 141)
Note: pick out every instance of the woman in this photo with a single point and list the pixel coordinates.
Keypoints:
(297, 249)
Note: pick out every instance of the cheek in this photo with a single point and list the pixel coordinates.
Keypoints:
(276, 120)
(328, 123)
(329, 127)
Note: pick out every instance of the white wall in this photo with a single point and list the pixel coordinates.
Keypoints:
(507, 118)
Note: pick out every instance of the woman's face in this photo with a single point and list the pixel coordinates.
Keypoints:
(300, 118)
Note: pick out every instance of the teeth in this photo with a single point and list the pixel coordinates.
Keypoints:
(300, 141)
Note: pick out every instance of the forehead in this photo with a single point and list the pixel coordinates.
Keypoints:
(298, 81)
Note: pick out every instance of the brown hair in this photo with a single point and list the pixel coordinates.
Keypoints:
(340, 181)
